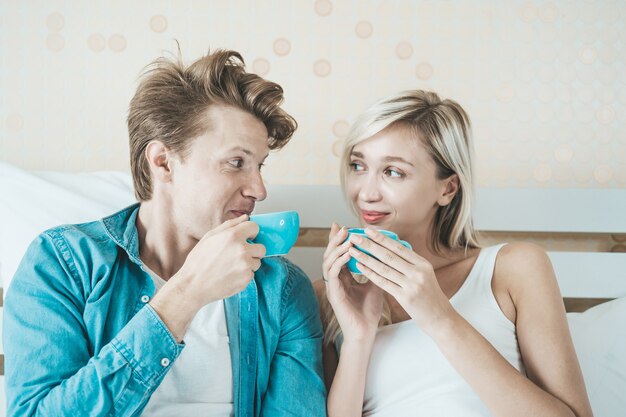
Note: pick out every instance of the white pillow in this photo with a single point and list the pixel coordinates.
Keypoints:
(31, 202)
(599, 335)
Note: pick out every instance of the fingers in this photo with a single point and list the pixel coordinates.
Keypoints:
(226, 225)
(392, 245)
(380, 281)
(334, 284)
(256, 264)
(246, 229)
(256, 250)
(332, 254)
(381, 256)
(336, 254)
(334, 228)
(335, 267)
(384, 270)
(335, 238)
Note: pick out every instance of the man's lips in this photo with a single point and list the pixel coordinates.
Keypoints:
(372, 216)
(241, 212)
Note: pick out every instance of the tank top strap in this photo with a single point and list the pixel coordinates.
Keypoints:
(479, 279)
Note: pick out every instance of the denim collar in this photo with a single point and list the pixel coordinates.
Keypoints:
(122, 229)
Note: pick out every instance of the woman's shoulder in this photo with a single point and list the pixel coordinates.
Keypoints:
(522, 255)
(523, 264)
(522, 276)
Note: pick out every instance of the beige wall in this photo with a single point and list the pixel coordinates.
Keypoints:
(544, 81)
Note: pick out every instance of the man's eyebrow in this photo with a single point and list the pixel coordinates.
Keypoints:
(385, 159)
(242, 149)
(246, 151)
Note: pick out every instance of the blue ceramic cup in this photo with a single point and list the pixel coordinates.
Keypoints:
(361, 232)
(278, 231)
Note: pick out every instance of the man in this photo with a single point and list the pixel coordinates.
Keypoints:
(165, 308)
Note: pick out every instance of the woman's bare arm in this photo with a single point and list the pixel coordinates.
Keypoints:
(554, 386)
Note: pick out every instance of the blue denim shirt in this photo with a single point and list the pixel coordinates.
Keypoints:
(80, 338)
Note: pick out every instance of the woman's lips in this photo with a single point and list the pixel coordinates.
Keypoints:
(372, 216)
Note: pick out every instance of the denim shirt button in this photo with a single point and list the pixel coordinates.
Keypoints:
(165, 362)
(145, 298)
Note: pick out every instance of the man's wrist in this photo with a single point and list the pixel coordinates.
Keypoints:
(175, 309)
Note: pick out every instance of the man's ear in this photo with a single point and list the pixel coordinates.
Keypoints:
(450, 188)
(158, 157)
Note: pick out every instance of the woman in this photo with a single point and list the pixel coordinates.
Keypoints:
(448, 328)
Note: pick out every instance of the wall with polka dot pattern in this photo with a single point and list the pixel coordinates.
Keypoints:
(544, 81)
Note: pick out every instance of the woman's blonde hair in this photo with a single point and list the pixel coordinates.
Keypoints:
(171, 101)
(444, 129)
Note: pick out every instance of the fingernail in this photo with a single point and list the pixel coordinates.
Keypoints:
(356, 239)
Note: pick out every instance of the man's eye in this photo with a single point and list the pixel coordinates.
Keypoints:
(237, 163)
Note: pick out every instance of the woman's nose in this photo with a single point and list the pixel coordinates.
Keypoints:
(370, 190)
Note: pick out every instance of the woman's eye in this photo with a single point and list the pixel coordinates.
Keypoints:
(261, 166)
(354, 166)
(237, 163)
(393, 173)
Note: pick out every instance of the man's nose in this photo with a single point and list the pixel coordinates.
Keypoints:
(255, 187)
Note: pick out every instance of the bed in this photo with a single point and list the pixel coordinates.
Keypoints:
(584, 232)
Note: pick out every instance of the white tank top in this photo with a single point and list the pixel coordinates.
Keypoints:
(200, 382)
(409, 376)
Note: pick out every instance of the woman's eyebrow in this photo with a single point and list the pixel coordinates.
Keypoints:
(389, 158)
(396, 159)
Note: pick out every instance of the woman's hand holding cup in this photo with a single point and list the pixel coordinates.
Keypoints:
(405, 275)
(358, 307)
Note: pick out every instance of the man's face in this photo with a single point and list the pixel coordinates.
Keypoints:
(220, 178)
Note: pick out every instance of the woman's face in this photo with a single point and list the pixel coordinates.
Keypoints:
(392, 182)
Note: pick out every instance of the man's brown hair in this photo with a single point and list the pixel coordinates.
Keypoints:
(171, 101)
